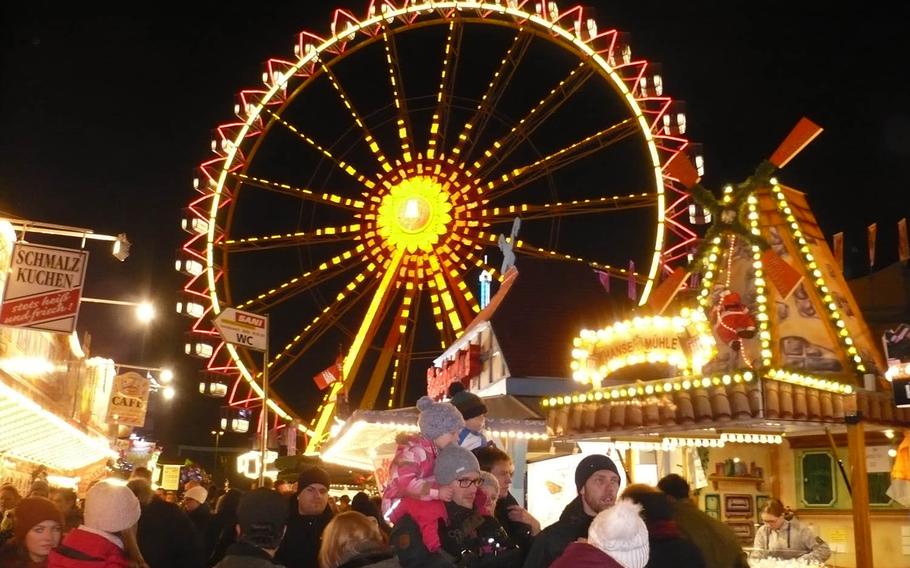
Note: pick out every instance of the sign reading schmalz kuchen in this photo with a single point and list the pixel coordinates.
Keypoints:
(43, 288)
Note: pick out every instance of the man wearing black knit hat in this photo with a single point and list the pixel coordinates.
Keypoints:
(309, 515)
(597, 482)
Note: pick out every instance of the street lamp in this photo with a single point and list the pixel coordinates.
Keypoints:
(145, 310)
(218, 434)
(120, 249)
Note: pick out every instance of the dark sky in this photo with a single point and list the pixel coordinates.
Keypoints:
(104, 114)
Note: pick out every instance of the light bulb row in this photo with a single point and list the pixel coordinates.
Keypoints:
(764, 334)
(810, 381)
(817, 276)
(649, 389)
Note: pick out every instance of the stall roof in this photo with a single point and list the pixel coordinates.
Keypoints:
(33, 434)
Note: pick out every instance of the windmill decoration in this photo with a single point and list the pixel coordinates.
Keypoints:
(734, 224)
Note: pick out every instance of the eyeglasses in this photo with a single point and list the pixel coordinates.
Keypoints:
(465, 482)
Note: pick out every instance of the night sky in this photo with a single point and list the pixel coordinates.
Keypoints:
(104, 114)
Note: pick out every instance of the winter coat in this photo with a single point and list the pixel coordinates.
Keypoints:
(220, 535)
(718, 545)
(167, 538)
(519, 533)
(13, 555)
(377, 558)
(201, 516)
(300, 547)
(468, 540)
(668, 548)
(792, 540)
(584, 555)
(245, 555)
(551, 542)
(427, 515)
(84, 549)
(410, 473)
(471, 439)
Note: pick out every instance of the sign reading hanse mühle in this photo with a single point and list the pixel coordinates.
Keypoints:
(43, 288)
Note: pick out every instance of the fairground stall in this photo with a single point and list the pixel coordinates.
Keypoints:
(760, 381)
(53, 400)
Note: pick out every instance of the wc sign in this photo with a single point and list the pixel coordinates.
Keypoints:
(245, 329)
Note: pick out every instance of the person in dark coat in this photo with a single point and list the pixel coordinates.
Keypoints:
(195, 504)
(597, 482)
(718, 545)
(65, 500)
(167, 538)
(308, 517)
(669, 547)
(364, 505)
(222, 531)
(617, 538)
(446, 534)
(261, 520)
(520, 525)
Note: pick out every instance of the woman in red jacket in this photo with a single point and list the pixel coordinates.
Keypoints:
(111, 511)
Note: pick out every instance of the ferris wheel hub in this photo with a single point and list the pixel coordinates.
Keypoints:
(415, 213)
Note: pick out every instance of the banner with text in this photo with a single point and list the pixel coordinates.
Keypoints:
(43, 288)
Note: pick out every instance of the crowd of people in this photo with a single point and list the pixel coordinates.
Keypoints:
(447, 505)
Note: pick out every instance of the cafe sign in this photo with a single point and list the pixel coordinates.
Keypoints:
(129, 399)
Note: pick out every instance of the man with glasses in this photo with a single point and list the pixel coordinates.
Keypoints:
(434, 534)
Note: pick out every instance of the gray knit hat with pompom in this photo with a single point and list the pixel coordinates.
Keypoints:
(438, 418)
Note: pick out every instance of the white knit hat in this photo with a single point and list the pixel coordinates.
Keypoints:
(111, 508)
(198, 494)
(621, 533)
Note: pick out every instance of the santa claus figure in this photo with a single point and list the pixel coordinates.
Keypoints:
(732, 320)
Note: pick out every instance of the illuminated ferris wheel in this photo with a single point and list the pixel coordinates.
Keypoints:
(362, 187)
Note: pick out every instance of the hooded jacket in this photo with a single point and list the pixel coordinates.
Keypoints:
(572, 525)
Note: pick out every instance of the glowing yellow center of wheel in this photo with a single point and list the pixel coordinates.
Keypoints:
(414, 214)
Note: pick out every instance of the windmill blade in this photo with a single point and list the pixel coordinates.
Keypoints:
(681, 168)
(802, 134)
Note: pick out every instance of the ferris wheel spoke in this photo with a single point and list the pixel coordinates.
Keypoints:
(473, 128)
(405, 131)
(522, 176)
(440, 120)
(318, 236)
(339, 163)
(507, 214)
(347, 299)
(368, 137)
(538, 252)
(323, 198)
(503, 148)
(373, 317)
(447, 297)
(404, 352)
(310, 279)
(465, 302)
(391, 347)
